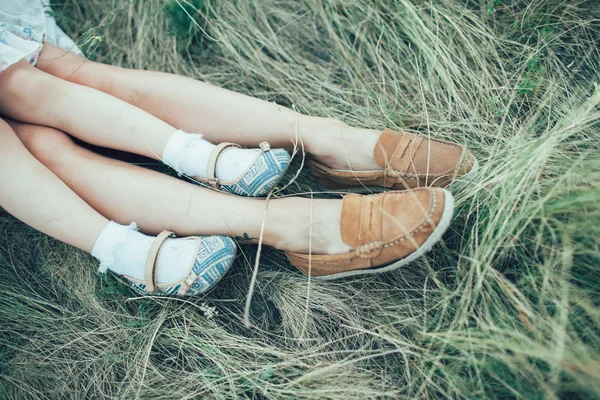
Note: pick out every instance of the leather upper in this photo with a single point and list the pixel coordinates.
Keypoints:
(406, 161)
(415, 154)
(380, 229)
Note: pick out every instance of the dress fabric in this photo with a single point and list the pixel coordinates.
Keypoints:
(25, 25)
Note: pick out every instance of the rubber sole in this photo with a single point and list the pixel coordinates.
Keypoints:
(435, 236)
(473, 170)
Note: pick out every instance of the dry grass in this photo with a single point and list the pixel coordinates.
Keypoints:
(506, 307)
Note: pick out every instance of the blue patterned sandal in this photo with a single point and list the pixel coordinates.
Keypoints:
(258, 180)
(214, 256)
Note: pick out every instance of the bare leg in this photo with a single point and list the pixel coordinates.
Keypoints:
(221, 115)
(30, 95)
(31, 193)
(156, 202)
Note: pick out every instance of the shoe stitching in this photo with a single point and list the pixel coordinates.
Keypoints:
(412, 139)
(445, 143)
(392, 173)
(399, 174)
(375, 245)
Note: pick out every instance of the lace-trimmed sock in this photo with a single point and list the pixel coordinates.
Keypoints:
(188, 154)
(124, 250)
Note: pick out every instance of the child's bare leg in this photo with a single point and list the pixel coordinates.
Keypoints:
(30, 192)
(30, 95)
(33, 194)
(126, 193)
(33, 96)
(221, 115)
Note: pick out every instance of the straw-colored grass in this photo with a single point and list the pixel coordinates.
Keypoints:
(506, 306)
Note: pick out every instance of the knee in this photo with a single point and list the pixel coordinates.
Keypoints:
(43, 142)
(18, 78)
(23, 86)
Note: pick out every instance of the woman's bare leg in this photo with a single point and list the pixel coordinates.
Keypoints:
(30, 95)
(34, 195)
(221, 115)
(125, 193)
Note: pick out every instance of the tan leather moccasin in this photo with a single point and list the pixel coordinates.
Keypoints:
(385, 231)
(406, 161)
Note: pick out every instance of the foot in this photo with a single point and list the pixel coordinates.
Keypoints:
(383, 232)
(261, 176)
(340, 146)
(349, 157)
(163, 265)
(244, 172)
(304, 225)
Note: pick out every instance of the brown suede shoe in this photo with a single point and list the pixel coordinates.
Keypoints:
(407, 161)
(385, 231)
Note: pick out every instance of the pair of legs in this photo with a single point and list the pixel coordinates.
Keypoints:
(221, 115)
(62, 189)
(70, 193)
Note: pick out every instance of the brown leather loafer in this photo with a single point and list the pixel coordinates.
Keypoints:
(385, 231)
(406, 161)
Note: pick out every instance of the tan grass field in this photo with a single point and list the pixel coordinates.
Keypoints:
(507, 306)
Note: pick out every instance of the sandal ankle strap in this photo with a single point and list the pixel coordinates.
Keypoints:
(152, 261)
(212, 162)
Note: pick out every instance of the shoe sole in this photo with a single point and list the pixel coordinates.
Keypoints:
(435, 236)
(471, 174)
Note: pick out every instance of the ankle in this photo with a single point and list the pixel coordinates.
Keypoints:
(282, 219)
(124, 250)
(339, 145)
(190, 154)
(303, 225)
(322, 135)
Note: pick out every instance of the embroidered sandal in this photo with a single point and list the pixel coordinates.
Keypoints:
(406, 161)
(214, 256)
(258, 180)
(385, 231)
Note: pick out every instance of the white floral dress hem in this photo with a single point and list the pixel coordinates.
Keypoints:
(24, 27)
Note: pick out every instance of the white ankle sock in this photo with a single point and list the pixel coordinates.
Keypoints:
(188, 154)
(124, 250)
